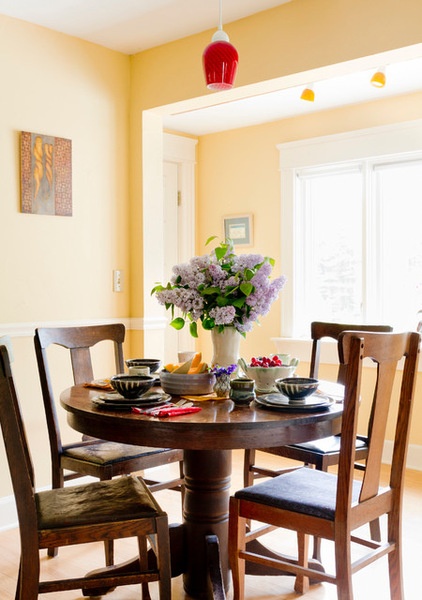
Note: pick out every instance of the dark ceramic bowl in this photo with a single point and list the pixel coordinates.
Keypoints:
(297, 388)
(153, 363)
(132, 386)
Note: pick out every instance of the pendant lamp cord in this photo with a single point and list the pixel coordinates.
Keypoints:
(220, 25)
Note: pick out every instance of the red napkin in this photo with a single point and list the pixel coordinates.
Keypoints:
(170, 411)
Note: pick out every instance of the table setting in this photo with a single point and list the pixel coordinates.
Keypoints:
(132, 392)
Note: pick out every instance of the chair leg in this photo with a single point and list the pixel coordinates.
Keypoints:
(395, 566)
(249, 460)
(163, 557)
(302, 582)
(316, 554)
(375, 529)
(109, 552)
(343, 568)
(143, 563)
(28, 579)
(237, 543)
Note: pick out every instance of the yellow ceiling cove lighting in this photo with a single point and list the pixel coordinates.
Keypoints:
(308, 94)
(378, 79)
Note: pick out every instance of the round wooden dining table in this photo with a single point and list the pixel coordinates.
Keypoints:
(207, 438)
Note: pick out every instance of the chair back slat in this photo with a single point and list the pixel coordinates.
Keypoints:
(81, 365)
(386, 351)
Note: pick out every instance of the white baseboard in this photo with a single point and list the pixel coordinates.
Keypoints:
(8, 515)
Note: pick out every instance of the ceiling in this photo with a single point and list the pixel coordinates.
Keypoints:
(130, 26)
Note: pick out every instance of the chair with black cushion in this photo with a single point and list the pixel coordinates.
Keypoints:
(99, 511)
(320, 453)
(334, 506)
(325, 452)
(97, 458)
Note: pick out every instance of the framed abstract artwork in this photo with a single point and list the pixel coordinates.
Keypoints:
(238, 228)
(46, 174)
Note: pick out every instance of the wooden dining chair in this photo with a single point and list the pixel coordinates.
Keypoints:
(320, 453)
(334, 506)
(98, 511)
(324, 452)
(97, 458)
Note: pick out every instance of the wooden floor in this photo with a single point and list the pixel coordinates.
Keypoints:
(371, 583)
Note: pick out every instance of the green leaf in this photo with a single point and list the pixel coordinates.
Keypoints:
(193, 328)
(222, 301)
(157, 288)
(208, 323)
(246, 288)
(207, 291)
(239, 302)
(178, 323)
(249, 273)
(210, 239)
(220, 252)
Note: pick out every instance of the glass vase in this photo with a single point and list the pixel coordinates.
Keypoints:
(226, 346)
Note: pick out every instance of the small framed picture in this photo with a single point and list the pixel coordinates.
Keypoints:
(239, 229)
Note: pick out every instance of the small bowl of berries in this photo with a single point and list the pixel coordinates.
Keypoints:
(266, 369)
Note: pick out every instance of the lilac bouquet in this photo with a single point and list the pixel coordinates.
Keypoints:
(221, 290)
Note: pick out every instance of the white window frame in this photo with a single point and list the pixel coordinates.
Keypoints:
(381, 142)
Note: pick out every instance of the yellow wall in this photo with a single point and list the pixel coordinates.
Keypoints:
(238, 170)
(60, 269)
(294, 37)
(248, 181)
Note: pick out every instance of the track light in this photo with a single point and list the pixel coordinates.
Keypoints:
(308, 93)
(378, 79)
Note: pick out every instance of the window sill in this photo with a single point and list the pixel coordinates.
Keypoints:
(301, 349)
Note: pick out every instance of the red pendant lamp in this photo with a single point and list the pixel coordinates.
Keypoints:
(220, 59)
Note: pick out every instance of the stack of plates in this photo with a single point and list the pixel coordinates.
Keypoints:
(115, 401)
(317, 401)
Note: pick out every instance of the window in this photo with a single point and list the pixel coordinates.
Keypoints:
(354, 250)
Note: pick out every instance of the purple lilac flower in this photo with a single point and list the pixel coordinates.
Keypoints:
(223, 315)
(247, 261)
(218, 371)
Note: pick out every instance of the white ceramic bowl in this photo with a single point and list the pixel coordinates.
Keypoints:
(178, 384)
(265, 376)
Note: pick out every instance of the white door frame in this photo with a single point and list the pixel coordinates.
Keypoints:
(172, 148)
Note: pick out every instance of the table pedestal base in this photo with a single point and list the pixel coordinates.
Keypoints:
(205, 513)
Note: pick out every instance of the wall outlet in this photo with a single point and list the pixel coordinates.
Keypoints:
(117, 281)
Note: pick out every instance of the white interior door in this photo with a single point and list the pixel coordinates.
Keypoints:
(171, 249)
(173, 253)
